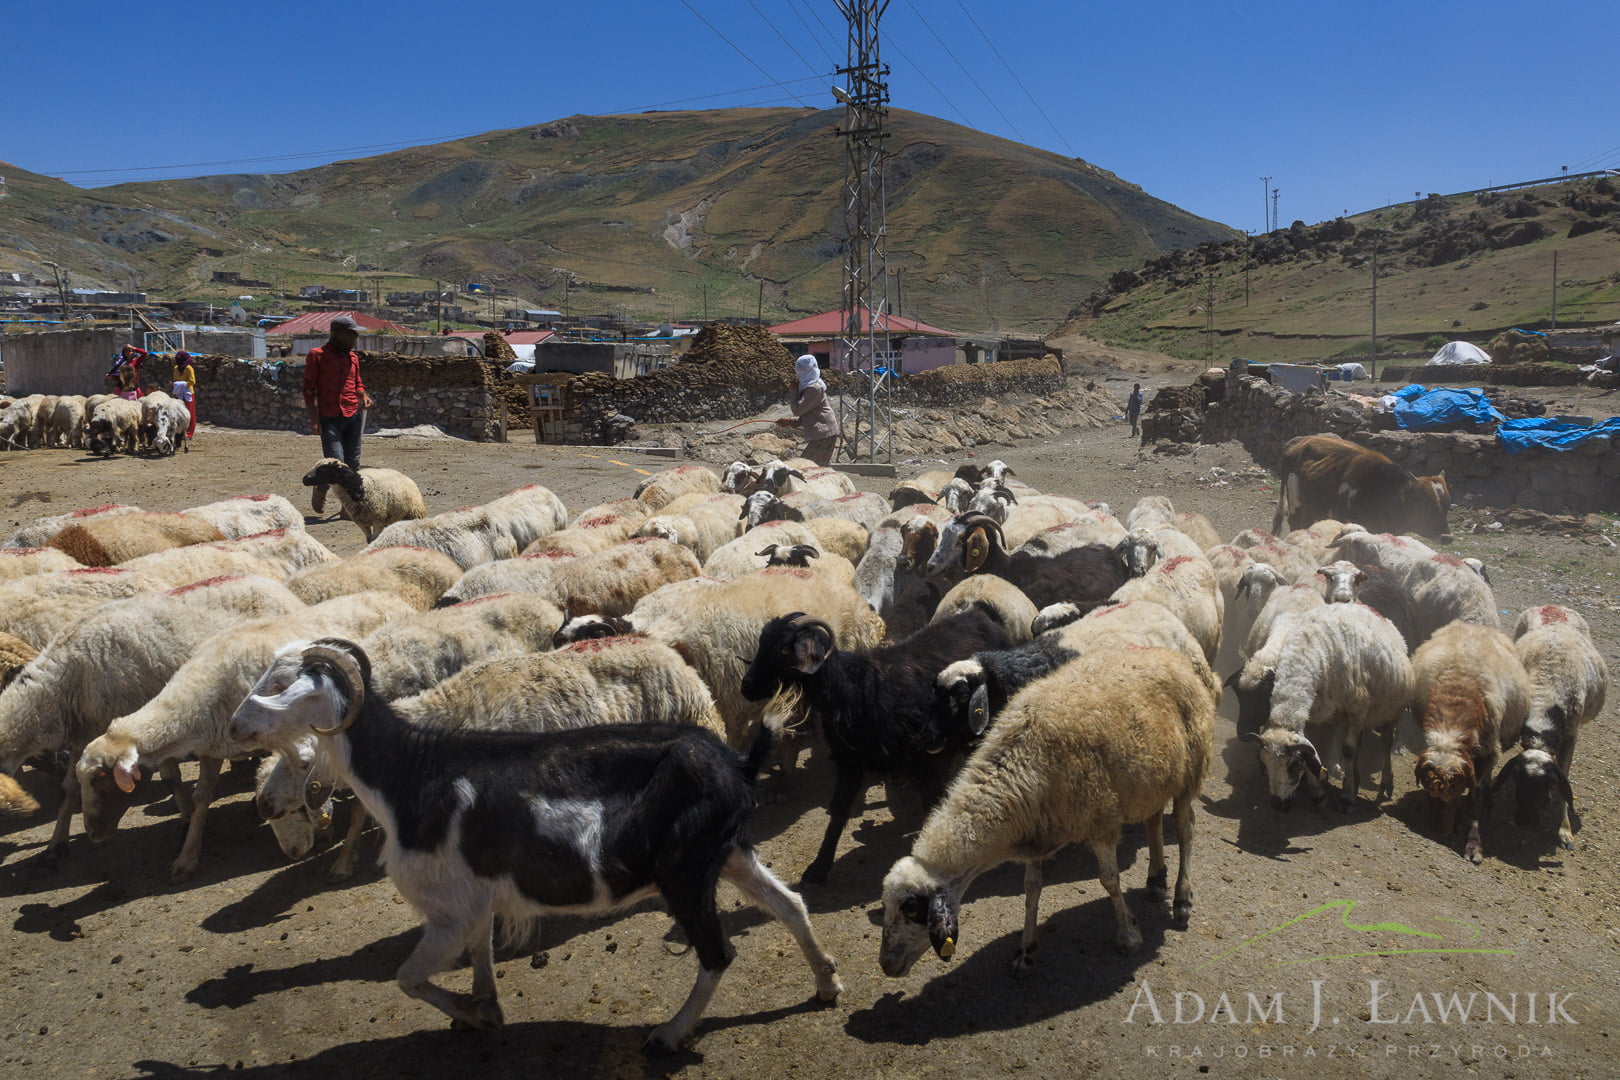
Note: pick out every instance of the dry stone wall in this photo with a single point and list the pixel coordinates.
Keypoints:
(1263, 418)
(455, 394)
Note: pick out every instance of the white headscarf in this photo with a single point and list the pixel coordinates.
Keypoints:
(809, 372)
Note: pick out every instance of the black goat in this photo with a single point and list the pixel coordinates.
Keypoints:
(975, 690)
(877, 709)
(973, 543)
(521, 824)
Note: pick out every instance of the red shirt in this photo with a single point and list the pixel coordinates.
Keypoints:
(332, 381)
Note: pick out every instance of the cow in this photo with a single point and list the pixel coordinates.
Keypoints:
(1328, 477)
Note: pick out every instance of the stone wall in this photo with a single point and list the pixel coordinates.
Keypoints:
(75, 361)
(1263, 418)
(456, 395)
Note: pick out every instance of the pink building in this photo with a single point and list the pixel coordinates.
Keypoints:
(920, 346)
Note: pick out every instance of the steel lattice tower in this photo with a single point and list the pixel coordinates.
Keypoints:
(864, 414)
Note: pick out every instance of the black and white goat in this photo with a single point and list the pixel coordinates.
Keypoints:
(523, 824)
(974, 543)
(877, 709)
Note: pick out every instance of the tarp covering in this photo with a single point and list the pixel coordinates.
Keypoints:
(1550, 434)
(1296, 378)
(1460, 352)
(1420, 409)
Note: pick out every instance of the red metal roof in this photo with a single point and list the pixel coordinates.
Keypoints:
(318, 322)
(830, 324)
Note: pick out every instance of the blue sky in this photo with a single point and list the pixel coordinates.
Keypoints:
(1347, 106)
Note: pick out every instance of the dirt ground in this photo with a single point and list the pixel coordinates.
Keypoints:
(1320, 945)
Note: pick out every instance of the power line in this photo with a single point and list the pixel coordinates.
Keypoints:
(832, 37)
(965, 71)
(781, 35)
(812, 34)
(1016, 79)
(919, 69)
(1578, 166)
(740, 53)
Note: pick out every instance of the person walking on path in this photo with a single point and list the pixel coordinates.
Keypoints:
(184, 387)
(336, 398)
(813, 412)
(1133, 409)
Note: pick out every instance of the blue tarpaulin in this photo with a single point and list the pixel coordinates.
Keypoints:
(1550, 434)
(1420, 409)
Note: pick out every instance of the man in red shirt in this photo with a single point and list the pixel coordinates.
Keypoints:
(336, 398)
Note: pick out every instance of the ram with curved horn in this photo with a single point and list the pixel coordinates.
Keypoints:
(975, 544)
(521, 824)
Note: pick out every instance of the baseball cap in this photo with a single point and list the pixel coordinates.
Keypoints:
(343, 322)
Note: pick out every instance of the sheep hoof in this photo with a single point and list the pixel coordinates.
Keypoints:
(1566, 840)
(1348, 805)
(1181, 913)
(664, 1039)
(829, 985)
(1023, 962)
(339, 872)
(1129, 939)
(1475, 854)
(180, 873)
(814, 875)
(1158, 886)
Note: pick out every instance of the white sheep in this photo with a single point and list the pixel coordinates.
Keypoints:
(417, 575)
(1150, 512)
(610, 582)
(527, 513)
(1105, 741)
(36, 532)
(1095, 527)
(1344, 666)
(164, 420)
(703, 526)
(469, 536)
(1569, 683)
(1472, 697)
(596, 528)
(1276, 621)
(1187, 587)
(1011, 607)
(25, 562)
(39, 607)
(742, 555)
(115, 424)
(17, 422)
(660, 489)
(116, 658)
(67, 422)
(41, 435)
(371, 498)
(249, 515)
(291, 549)
(191, 714)
(527, 574)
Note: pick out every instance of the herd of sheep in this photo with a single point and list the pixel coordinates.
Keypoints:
(548, 712)
(101, 423)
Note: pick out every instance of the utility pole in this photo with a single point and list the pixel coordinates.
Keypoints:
(1555, 287)
(705, 301)
(1248, 257)
(1374, 371)
(61, 290)
(1209, 319)
(759, 312)
(438, 307)
(864, 416)
(1265, 204)
(1276, 219)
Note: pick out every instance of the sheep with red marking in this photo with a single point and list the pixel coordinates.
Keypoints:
(116, 658)
(416, 575)
(110, 541)
(1011, 607)
(191, 715)
(595, 529)
(1472, 698)
(36, 532)
(523, 824)
(25, 562)
(610, 582)
(1187, 587)
(973, 543)
(39, 607)
(661, 489)
(1569, 682)
(704, 526)
(248, 515)
(1343, 667)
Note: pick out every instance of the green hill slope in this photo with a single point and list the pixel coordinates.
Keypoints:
(735, 208)
(1465, 266)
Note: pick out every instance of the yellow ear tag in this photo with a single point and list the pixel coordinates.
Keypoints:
(974, 552)
(325, 821)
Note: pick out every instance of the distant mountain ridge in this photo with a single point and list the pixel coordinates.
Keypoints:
(735, 209)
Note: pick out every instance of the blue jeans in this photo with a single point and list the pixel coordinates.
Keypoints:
(340, 437)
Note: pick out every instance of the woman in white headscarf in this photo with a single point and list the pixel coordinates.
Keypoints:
(813, 412)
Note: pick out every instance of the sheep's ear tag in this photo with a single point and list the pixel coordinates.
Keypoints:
(979, 710)
(323, 820)
(977, 549)
(124, 778)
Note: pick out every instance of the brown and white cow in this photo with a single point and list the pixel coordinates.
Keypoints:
(1328, 477)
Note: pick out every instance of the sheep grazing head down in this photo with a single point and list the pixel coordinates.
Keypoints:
(1537, 777)
(1290, 761)
(316, 686)
(919, 912)
(1446, 773)
(763, 506)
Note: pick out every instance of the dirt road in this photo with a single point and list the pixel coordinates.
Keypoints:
(1320, 945)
